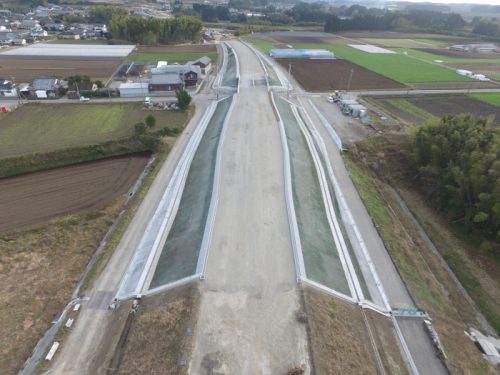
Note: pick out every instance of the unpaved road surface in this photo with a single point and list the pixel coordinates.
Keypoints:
(37, 197)
(247, 322)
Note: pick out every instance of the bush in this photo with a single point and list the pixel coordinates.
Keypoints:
(183, 99)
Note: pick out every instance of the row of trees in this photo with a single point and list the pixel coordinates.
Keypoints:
(458, 159)
(153, 31)
(487, 27)
(420, 20)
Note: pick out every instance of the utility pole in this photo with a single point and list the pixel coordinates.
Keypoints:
(350, 79)
(290, 80)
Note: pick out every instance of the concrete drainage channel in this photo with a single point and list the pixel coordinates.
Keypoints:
(173, 249)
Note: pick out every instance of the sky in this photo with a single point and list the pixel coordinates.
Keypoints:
(491, 2)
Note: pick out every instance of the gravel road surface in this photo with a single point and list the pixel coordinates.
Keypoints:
(247, 322)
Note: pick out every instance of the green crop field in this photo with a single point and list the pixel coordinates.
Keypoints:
(492, 98)
(261, 44)
(432, 57)
(170, 57)
(398, 67)
(39, 128)
(434, 42)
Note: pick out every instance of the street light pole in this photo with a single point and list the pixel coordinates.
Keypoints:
(350, 79)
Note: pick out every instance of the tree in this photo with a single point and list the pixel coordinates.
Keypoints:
(140, 128)
(150, 121)
(183, 99)
(458, 160)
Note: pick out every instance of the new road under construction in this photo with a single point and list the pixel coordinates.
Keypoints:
(253, 204)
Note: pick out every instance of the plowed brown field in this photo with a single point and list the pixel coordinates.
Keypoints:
(24, 70)
(182, 48)
(37, 197)
(326, 75)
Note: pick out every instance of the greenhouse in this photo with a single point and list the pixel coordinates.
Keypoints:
(301, 54)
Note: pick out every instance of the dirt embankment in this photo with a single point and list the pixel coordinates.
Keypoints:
(160, 338)
(379, 160)
(339, 341)
(37, 197)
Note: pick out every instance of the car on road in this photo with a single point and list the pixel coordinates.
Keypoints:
(84, 99)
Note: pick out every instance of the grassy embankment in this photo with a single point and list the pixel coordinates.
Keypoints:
(171, 57)
(39, 267)
(427, 280)
(41, 136)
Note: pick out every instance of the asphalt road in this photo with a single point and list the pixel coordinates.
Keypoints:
(247, 322)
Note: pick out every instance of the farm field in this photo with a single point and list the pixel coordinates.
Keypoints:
(492, 70)
(398, 42)
(25, 69)
(491, 98)
(398, 67)
(417, 110)
(443, 55)
(179, 54)
(39, 128)
(38, 197)
(334, 75)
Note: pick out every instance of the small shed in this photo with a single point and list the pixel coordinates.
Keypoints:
(205, 64)
(133, 89)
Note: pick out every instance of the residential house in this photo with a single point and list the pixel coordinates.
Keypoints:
(7, 88)
(74, 34)
(165, 82)
(54, 27)
(81, 89)
(45, 88)
(205, 63)
(28, 24)
(11, 38)
(5, 25)
(190, 74)
(38, 33)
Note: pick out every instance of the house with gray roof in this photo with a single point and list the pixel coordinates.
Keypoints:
(165, 82)
(45, 88)
(190, 74)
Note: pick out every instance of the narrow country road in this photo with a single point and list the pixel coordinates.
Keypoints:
(247, 321)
